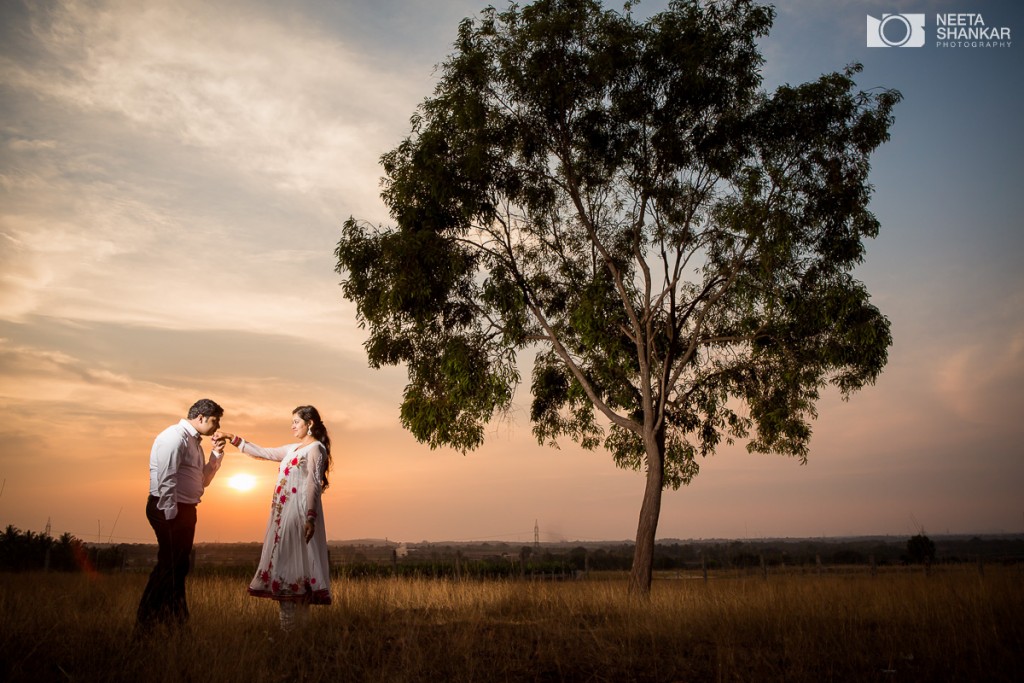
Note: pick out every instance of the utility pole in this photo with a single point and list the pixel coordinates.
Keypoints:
(111, 538)
(536, 535)
(46, 560)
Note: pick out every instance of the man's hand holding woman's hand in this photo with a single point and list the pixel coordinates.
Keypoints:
(226, 437)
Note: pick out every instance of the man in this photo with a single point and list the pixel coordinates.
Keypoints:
(178, 474)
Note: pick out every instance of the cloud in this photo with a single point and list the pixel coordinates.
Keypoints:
(38, 376)
(21, 144)
(156, 153)
(160, 371)
(980, 383)
(275, 99)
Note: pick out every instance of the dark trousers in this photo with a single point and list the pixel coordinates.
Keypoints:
(164, 597)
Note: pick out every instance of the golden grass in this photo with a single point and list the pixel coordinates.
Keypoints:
(954, 625)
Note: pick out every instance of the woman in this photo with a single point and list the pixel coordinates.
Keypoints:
(293, 567)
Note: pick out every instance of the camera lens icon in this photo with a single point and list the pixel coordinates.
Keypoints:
(896, 30)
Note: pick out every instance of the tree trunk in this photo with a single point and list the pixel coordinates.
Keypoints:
(643, 554)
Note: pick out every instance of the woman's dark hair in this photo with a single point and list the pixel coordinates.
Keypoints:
(319, 431)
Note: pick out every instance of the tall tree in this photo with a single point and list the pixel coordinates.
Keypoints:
(622, 197)
(921, 549)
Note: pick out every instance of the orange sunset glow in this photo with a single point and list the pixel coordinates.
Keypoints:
(172, 188)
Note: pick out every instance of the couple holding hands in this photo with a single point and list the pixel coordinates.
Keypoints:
(293, 567)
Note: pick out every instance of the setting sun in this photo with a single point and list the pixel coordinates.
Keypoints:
(242, 482)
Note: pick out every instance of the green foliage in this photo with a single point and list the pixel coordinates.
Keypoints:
(624, 197)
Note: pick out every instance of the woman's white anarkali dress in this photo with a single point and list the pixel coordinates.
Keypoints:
(290, 569)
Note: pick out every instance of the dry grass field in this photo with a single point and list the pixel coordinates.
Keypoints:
(953, 625)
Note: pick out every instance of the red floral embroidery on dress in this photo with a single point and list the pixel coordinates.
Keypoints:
(284, 584)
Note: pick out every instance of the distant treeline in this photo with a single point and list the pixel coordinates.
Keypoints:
(29, 551)
(501, 560)
(744, 554)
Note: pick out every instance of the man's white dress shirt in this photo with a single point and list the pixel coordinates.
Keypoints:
(178, 469)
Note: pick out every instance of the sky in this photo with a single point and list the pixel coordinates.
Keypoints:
(173, 180)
